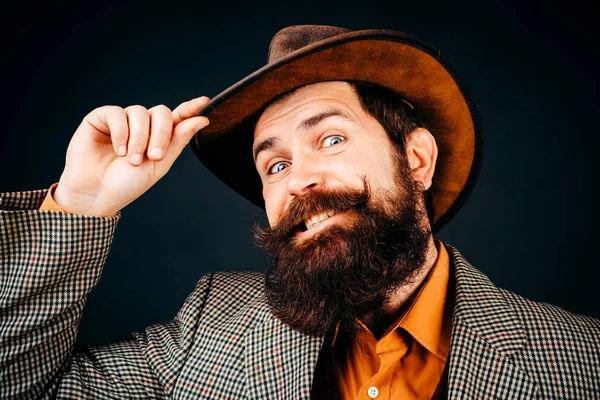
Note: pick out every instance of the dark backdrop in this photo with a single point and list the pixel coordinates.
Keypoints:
(532, 67)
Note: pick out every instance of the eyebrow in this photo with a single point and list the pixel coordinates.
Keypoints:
(264, 145)
(302, 126)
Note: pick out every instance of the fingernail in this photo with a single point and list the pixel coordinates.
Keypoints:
(202, 124)
(157, 152)
(122, 150)
(136, 158)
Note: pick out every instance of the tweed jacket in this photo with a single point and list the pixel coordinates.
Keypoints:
(225, 344)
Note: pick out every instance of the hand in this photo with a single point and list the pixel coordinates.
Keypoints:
(117, 154)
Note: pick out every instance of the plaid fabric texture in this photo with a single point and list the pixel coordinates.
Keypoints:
(225, 344)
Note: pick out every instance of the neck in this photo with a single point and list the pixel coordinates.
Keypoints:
(401, 298)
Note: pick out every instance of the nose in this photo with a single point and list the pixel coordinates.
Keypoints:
(304, 177)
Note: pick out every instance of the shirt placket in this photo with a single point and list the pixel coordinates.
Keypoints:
(390, 351)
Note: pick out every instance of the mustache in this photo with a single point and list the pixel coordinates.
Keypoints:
(316, 202)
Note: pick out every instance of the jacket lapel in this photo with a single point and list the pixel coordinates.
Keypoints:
(279, 361)
(486, 333)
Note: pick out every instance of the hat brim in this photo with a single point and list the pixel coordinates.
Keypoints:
(392, 59)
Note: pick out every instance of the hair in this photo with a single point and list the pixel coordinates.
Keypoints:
(395, 114)
(397, 117)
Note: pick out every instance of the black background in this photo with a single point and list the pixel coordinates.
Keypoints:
(532, 67)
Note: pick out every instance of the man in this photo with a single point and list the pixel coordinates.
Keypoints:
(359, 146)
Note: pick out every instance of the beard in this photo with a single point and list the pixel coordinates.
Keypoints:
(347, 272)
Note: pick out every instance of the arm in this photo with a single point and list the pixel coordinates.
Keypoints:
(50, 262)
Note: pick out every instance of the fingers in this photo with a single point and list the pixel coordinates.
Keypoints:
(185, 126)
(166, 134)
(111, 120)
(182, 134)
(161, 126)
(188, 109)
(139, 132)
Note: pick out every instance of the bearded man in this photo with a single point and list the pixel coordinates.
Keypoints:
(359, 146)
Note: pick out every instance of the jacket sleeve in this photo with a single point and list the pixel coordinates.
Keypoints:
(49, 262)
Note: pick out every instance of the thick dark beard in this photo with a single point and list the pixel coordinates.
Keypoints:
(343, 273)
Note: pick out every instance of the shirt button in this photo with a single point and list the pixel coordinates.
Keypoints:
(373, 392)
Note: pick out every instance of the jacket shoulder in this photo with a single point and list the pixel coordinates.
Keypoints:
(532, 315)
(551, 321)
(558, 350)
(240, 286)
(231, 297)
(562, 349)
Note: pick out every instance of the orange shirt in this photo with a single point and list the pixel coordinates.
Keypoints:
(408, 361)
(50, 204)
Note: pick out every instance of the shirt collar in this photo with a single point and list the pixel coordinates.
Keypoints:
(429, 317)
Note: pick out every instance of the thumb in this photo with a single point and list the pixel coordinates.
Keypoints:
(182, 134)
(187, 109)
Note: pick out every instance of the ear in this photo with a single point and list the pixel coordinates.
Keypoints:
(422, 152)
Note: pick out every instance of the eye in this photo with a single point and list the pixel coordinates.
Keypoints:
(332, 140)
(277, 167)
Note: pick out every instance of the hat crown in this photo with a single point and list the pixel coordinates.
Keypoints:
(295, 37)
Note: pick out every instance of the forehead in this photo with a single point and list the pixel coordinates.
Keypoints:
(308, 99)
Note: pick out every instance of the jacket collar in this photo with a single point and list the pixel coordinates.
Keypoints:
(486, 334)
(480, 305)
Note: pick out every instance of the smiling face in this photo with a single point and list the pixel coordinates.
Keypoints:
(319, 139)
(345, 213)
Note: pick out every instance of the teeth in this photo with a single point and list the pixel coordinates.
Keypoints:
(315, 219)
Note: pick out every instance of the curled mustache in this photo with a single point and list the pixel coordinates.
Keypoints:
(314, 203)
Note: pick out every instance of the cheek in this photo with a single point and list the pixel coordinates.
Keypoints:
(377, 165)
(374, 163)
(383, 169)
(274, 202)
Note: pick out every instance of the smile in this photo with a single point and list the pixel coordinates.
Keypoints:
(317, 219)
(320, 222)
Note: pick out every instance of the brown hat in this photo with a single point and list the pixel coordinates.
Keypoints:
(305, 54)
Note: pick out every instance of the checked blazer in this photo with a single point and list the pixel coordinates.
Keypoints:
(225, 344)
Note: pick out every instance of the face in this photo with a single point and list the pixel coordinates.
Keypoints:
(320, 138)
(346, 229)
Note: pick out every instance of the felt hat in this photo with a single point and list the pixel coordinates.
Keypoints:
(305, 54)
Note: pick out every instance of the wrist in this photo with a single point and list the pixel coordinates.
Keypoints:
(77, 203)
